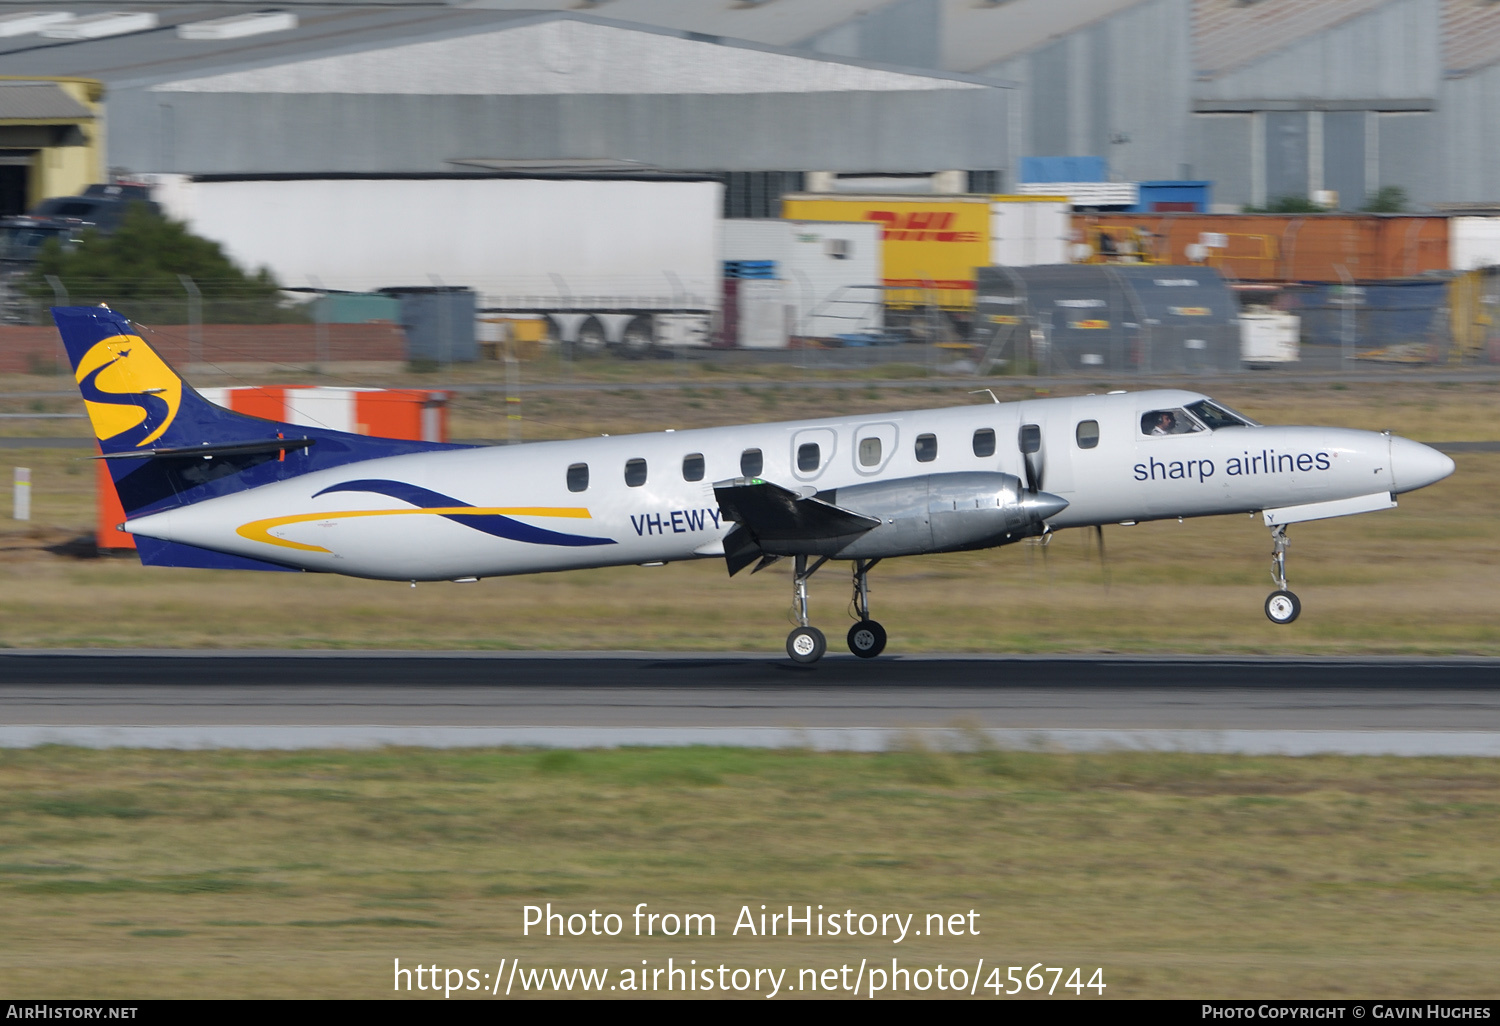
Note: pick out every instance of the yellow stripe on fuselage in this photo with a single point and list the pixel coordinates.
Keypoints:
(260, 530)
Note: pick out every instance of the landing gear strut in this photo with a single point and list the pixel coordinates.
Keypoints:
(1282, 607)
(866, 637)
(806, 644)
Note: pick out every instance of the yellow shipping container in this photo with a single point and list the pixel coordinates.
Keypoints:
(931, 243)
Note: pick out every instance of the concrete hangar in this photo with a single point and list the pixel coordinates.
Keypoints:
(218, 89)
(1262, 97)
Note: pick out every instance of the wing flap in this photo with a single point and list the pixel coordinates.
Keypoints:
(774, 521)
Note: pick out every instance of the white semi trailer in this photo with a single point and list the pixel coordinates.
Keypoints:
(608, 260)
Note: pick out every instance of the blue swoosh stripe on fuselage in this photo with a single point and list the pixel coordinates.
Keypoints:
(489, 523)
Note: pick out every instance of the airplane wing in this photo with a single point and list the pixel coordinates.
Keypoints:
(772, 520)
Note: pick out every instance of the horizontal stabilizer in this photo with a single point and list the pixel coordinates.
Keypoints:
(221, 449)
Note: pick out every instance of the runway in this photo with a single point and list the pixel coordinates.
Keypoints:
(302, 700)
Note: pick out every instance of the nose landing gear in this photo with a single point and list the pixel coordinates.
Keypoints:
(1282, 607)
(806, 644)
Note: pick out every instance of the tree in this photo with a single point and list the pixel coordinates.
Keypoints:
(137, 270)
(1291, 204)
(1388, 199)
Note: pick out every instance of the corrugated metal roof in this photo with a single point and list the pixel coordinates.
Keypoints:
(1228, 34)
(977, 35)
(974, 35)
(777, 23)
(1471, 36)
(159, 55)
(558, 54)
(39, 101)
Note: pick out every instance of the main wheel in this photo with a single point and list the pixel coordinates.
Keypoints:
(1283, 607)
(806, 645)
(867, 639)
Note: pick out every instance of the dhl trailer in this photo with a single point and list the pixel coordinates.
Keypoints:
(933, 243)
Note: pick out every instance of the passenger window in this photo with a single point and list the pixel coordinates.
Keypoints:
(692, 467)
(1168, 422)
(751, 463)
(635, 472)
(1087, 434)
(984, 442)
(808, 457)
(578, 477)
(926, 448)
(1030, 438)
(869, 452)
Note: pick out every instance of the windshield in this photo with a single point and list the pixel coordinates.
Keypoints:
(1216, 416)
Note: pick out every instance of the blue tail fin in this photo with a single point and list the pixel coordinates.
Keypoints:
(155, 431)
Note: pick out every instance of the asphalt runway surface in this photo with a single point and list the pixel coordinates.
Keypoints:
(298, 700)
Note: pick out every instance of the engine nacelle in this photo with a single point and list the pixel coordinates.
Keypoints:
(940, 513)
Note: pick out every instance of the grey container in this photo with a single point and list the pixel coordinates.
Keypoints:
(1139, 318)
(439, 323)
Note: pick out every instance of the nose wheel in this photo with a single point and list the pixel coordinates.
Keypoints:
(1282, 607)
(806, 645)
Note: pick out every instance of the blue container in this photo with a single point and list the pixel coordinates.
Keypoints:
(1164, 196)
(1064, 169)
(439, 323)
(1385, 313)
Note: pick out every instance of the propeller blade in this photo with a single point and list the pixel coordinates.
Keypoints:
(1033, 472)
(1103, 562)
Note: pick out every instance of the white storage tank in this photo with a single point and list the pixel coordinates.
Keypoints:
(829, 272)
(1269, 336)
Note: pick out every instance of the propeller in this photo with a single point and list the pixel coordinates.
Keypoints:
(1103, 562)
(1041, 505)
(1030, 441)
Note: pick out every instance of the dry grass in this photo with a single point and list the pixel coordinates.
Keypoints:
(162, 874)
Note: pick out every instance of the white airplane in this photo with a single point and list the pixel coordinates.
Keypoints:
(205, 487)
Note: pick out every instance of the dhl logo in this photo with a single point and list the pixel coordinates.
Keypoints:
(919, 226)
(1088, 325)
(1004, 319)
(1190, 311)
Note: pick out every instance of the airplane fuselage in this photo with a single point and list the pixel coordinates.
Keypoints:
(649, 498)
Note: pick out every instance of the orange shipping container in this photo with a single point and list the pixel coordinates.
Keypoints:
(1291, 247)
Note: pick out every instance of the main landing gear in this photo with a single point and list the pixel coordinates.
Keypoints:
(866, 637)
(1282, 606)
(807, 644)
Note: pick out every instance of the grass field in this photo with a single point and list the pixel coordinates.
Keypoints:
(173, 874)
(1422, 578)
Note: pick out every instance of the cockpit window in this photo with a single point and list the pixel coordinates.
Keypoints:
(1169, 422)
(1216, 416)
